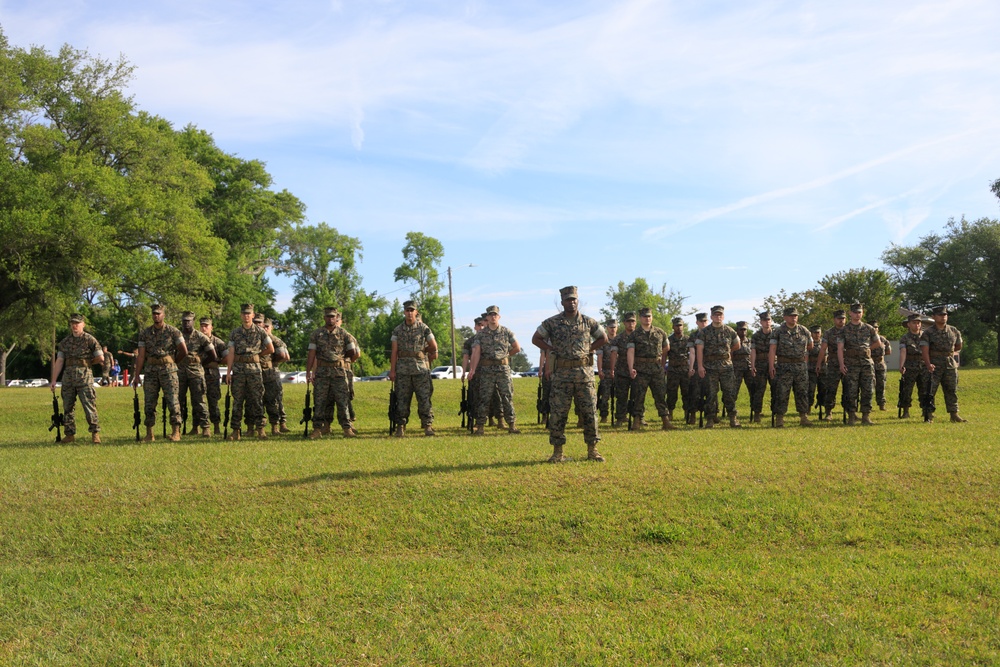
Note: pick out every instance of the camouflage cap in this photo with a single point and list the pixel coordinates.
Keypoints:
(718, 309)
(330, 310)
(258, 318)
(939, 310)
(492, 310)
(246, 308)
(857, 307)
(874, 323)
(645, 310)
(790, 311)
(205, 320)
(568, 293)
(741, 325)
(156, 308)
(764, 316)
(478, 320)
(611, 322)
(840, 312)
(913, 317)
(410, 305)
(677, 321)
(187, 316)
(701, 317)
(75, 318)
(629, 316)
(816, 328)
(268, 322)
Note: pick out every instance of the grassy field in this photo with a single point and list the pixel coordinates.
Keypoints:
(828, 545)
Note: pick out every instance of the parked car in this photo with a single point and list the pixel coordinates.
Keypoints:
(295, 377)
(381, 377)
(37, 382)
(445, 372)
(16, 383)
(530, 373)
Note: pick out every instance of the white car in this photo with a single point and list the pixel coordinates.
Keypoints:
(37, 382)
(296, 377)
(445, 372)
(16, 383)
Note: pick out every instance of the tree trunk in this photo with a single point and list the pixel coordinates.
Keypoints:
(3, 364)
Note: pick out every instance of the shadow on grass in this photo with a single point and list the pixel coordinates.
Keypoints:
(348, 475)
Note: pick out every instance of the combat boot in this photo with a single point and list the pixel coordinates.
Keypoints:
(175, 434)
(828, 417)
(557, 454)
(316, 433)
(400, 431)
(216, 430)
(429, 431)
(490, 422)
(691, 419)
(804, 419)
(671, 415)
(956, 419)
(274, 429)
(68, 439)
(480, 430)
(512, 429)
(149, 435)
(95, 438)
(619, 423)
(282, 428)
(755, 418)
(593, 454)
(929, 419)
(852, 418)
(236, 435)
(667, 424)
(732, 420)
(906, 414)
(866, 419)
(205, 433)
(881, 406)
(326, 429)
(636, 425)
(349, 432)
(779, 421)
(261, 433)
(604, 419)
(501, 425)
(709, 422)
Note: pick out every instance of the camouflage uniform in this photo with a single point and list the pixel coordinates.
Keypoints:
(790, 367)
(213, 380)
(833, 377)
(717, 343)
(697, 385)
(272, 382)
(915, 371)
(333, 350)
(493, 372)
(109, 361)
(941, 344)
(813, 375)
(572, 375)
(741, 368)
(191, 376)
(247, 386)
(760, 341)
(160, 371)
(607, 385)
(857, 339)
(78, 353)
(623, 380)
(648, 346)
(878, 359)
(412, 373)
(677, 372)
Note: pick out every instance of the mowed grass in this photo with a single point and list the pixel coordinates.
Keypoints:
(828, 545)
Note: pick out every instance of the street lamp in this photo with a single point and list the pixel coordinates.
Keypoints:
(451, 308)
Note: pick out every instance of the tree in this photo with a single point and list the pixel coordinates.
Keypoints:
(873, 288)
(959, 268)
(815, 306)
(666, 304)
(519, 363)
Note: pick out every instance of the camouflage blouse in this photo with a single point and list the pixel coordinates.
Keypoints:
(248, 341)
(677, 358)
(741, 357)
(604, 354)
(911, 343)
(412, 340)
(760, 341)
(648, 344)
(160, 342)
(494, 344)
(198, 345)
(878, 353)
(279, 345)
(830, 337)
(620, 344)
(791, 342)
(942, 344)
(717, 344)
(858, 337)
(83, 348)
(571, 338)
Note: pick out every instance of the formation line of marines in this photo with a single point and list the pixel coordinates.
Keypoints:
(789, 358)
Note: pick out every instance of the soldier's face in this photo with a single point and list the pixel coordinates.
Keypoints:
(791, 320)
(187, 326)
(411, 315)
(612, 330)
(940, 320)
(839, 320)
(765, 324)
(76, 328)
(717, 319)
(816, 336)
(206, 329)
(493, 319)
(742, 333)
(856, 317)
(569, 304)
(914, 326)
(647, 321)
(268, 327)
(479, 327)
(247, 319)
(629, 326)
(158, 319)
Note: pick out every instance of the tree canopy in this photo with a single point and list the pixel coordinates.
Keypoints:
(665, 304)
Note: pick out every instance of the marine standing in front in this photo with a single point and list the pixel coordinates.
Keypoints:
(77, 352)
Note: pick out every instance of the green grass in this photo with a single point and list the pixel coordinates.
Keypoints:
(828, 545)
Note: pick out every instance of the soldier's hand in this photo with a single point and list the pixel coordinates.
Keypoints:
(701, 372)
(632, 373)
(902, 370)
(753, 370)
(600, 373)
(53, 387)
(931, 368)
(843, 369)
(770, 372)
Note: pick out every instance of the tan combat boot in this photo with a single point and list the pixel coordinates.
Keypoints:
(68, 439)
(480, 430)
(175, 434)
(216, 430)
(512, 429)
(593, 454)
(235, 435)
(501, 424)
(274, 429)
(828, 417)
(779, 421)
(429, 431)
(732, 420)
(282, 428)
(956, 419)
(709, 422)
(852, 418)
(95, 438)
(636, 425)
(619, 423)
(326, 429)
(866, 419)
(804, 419)
(906, 414)
(400, 431)
(316, 433)
(349, 432)
(557, 454)
(149, 435)
(261, 433)
(755, 418)
(667, 424)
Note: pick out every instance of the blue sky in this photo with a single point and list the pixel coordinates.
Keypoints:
(726, 149)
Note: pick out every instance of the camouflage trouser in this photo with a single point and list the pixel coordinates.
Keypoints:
(80, 385)
(605, 390)
(494, 383)
(247, 389)
(788, 377)
(860, 377)
(330, 390)
(623, 385)
(350, 402)
(945, 375)
(914, 374)
(156, 378)
(832, 379)
(651, 376)
(760, 384)
(814, 384)
(677, 382)
(272, 396)
(569, 384)
(213, 391)
(406, 387)
(720, 375)
(880, 370)
(199, 405)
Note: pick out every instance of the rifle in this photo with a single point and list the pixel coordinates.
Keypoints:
(924, 394)
(463, 406)
(57, 418)
(630, 404)
(393, 398)
(542, 404)
(899, 403)
(225, 420)
(473, 397)
(613, 401)
(703, 402)
(307, 413)
(136, 417)
(602, 399)
(184, 413)
(164, 414)
(821, 390)
(350, 398)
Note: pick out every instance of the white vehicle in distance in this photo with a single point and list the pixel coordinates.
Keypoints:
(37, 382)
(445, 372)
(296, 377)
